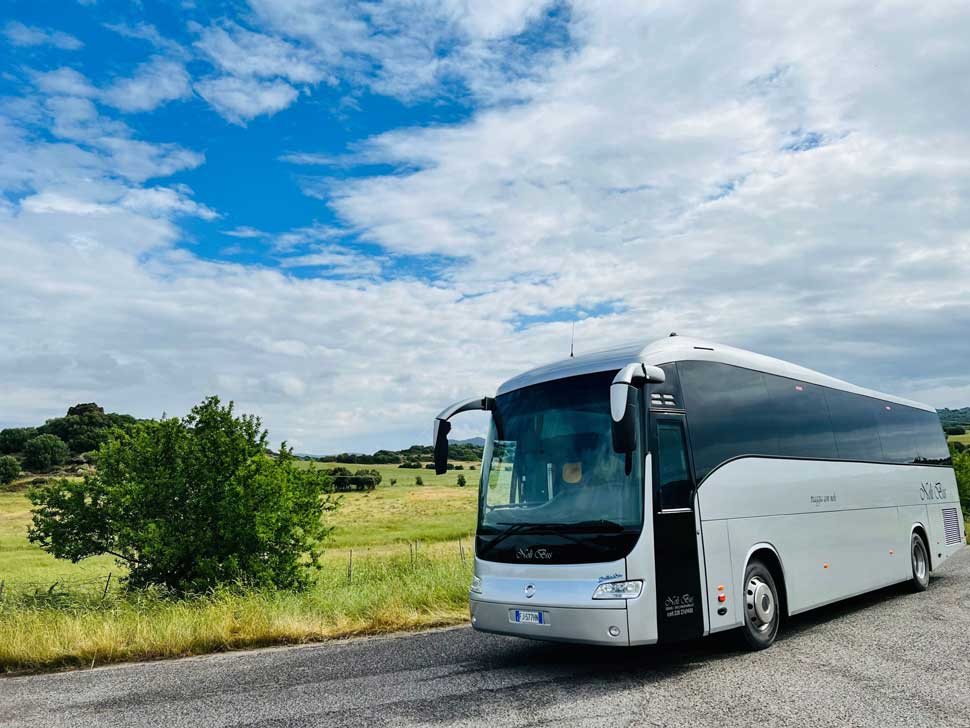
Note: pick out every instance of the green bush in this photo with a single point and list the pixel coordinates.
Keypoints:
(961, 467)
(14, 439)
(461, 481)
(44, 452)
(9, 469)
(955, 430)
(419, 480)
(191, 504)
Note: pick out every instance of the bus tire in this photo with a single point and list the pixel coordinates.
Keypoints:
(920, 559)
(762, 608)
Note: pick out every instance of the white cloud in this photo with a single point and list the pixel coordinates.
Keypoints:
(154, 83)
(766, 177)
(238, 99)
(26, 35)
(239, 52)
(65, 81)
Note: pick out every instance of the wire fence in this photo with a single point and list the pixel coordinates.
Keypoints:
(358, 561)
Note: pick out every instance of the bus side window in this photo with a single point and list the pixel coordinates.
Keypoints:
(675, 483)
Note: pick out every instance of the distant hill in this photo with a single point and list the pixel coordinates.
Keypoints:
(476, 441)
(951, 417)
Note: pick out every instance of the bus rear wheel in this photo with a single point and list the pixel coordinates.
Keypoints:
(919, 555)
(762, 614)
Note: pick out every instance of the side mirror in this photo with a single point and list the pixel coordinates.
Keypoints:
(625, 403)
(625, 411)
(441, 430)
(442, 427)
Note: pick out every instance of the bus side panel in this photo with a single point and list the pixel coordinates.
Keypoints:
(836, 525)
(720, 572)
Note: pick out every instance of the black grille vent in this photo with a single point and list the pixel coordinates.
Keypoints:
(662, 400)
(951, 526)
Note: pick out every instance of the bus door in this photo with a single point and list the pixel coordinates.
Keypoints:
(679, 600)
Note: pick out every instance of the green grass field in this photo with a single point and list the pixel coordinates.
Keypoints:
(965, 438)
(394, 562)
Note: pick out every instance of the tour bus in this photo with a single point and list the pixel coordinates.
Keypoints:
(660, 492)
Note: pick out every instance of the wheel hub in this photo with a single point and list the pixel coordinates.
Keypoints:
(760, 603)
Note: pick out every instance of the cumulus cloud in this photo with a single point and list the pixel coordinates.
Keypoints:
(239, 100)
(19, 34)
(154, 83)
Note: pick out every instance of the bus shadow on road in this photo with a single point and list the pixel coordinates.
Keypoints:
(672, 659)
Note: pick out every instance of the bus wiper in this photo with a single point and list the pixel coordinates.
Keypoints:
(510, 531)
(561, 529)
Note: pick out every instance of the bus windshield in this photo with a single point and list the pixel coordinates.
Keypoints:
(549, 463)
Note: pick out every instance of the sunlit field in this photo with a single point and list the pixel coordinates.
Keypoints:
(399, 558)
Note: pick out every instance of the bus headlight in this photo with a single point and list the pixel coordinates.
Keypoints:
(476, 587)
(618, 590)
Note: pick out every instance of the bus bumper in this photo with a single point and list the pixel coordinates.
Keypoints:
(559, 624)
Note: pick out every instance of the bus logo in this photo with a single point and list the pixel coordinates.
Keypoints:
(932, 491)
(531, 554)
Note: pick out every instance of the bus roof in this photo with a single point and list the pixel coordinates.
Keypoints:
(685, 348)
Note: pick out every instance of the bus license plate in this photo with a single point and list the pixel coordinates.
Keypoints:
(521, 616)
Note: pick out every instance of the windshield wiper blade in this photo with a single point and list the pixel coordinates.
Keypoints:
(510, 531)
(559, 529)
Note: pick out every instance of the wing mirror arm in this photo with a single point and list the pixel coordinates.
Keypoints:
(625, 403)
(442, 427)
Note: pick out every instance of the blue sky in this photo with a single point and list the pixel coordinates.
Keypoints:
(345, 215)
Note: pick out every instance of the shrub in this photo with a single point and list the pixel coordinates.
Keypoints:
(393, 481)
(44, 452)
(9, 469)
(191, 504)
(461, 481)
(14, 439)
(955, 430)
(366, 479)
(419, 480)
(961, 468)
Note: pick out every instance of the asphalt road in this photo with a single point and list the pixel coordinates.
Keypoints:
(891, 658)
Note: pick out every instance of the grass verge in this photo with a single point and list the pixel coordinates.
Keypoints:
(376, 593)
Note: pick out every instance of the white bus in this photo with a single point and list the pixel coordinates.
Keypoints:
(648, 494)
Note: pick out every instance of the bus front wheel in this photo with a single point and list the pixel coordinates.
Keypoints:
(762, 614)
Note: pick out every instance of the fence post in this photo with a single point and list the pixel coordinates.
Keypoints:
(2, 584)
(106, 583)
(350, 567)
(461, 550)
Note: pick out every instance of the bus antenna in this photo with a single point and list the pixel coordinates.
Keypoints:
(572, 340)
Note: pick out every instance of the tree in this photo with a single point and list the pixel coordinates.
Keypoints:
(191, 503)
(961, 468)
(955, 430)
(44, 452)
(84, 428)
(461, 481)
(9, 469)
(14, 439)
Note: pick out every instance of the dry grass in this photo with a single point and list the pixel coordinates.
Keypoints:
(386, 592)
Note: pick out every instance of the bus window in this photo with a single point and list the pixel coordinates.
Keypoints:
(855, 425)
(674, 484)
(730, 413)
